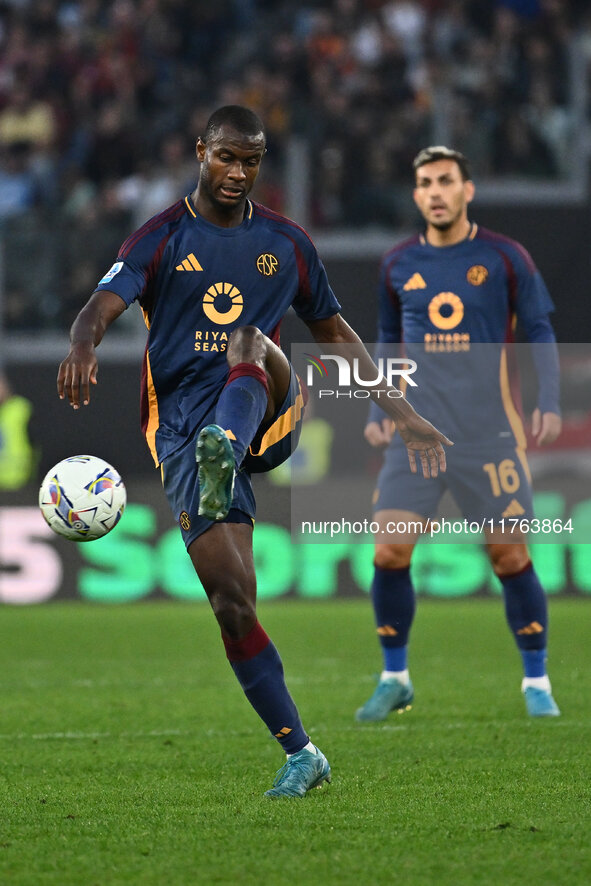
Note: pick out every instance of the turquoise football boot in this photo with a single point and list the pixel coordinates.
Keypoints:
(302, 772)
(539, 702)
(390, 695)
(215, 458)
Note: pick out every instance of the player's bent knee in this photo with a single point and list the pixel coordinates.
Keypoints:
(392, 556)
(246, 338)
(508, 559)
(235, 614)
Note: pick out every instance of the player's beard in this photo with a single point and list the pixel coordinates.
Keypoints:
(442, 226)
(446, 225)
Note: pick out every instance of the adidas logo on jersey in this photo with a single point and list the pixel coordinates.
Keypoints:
(513, 509)
(189, 264)
(415, 282)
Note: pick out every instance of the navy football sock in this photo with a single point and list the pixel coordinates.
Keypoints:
(259, 670)
(242, 405)
(527, 616)
(393, 600)
(534, 662)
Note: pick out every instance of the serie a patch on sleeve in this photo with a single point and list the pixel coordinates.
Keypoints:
(112, 272)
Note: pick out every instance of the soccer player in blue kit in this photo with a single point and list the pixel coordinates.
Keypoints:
(214, 275)
(441, 293)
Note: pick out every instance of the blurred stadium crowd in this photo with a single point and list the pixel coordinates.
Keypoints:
(101, 102)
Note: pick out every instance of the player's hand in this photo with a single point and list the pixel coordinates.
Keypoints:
(423, 439)
(545, 427)
(379, 433)
(76, 373)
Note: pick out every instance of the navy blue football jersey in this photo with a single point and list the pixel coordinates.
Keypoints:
(195, 282)
(454, 309)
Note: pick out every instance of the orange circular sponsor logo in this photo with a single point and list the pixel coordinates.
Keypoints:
(476, 275)
(233, 296)
(439, 313)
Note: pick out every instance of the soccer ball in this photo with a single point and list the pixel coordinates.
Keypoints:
(82, 498)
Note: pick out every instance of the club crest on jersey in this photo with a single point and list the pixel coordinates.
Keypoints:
(477, 275)
(185, 521)
(223, 303)
(267, 264)
(112, 273)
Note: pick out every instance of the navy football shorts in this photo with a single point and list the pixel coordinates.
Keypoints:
(269, 449)
(487, 480)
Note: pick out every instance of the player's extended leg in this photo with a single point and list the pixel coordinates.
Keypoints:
(223, 559)
(393, 599)
(527, 615)
(257, 384)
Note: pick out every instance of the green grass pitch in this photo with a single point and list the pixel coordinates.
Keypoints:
(129, 755)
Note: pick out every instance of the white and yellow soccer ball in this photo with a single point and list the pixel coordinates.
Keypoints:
(82, 498)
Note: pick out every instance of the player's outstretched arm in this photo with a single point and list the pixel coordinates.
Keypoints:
(419, 435)
(79, 370)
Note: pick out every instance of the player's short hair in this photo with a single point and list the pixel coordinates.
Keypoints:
(237, 117)
(440, 152)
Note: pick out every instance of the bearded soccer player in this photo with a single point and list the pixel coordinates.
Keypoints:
(441, 293)
(214, 276)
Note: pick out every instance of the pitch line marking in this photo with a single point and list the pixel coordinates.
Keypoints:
(52, 736)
